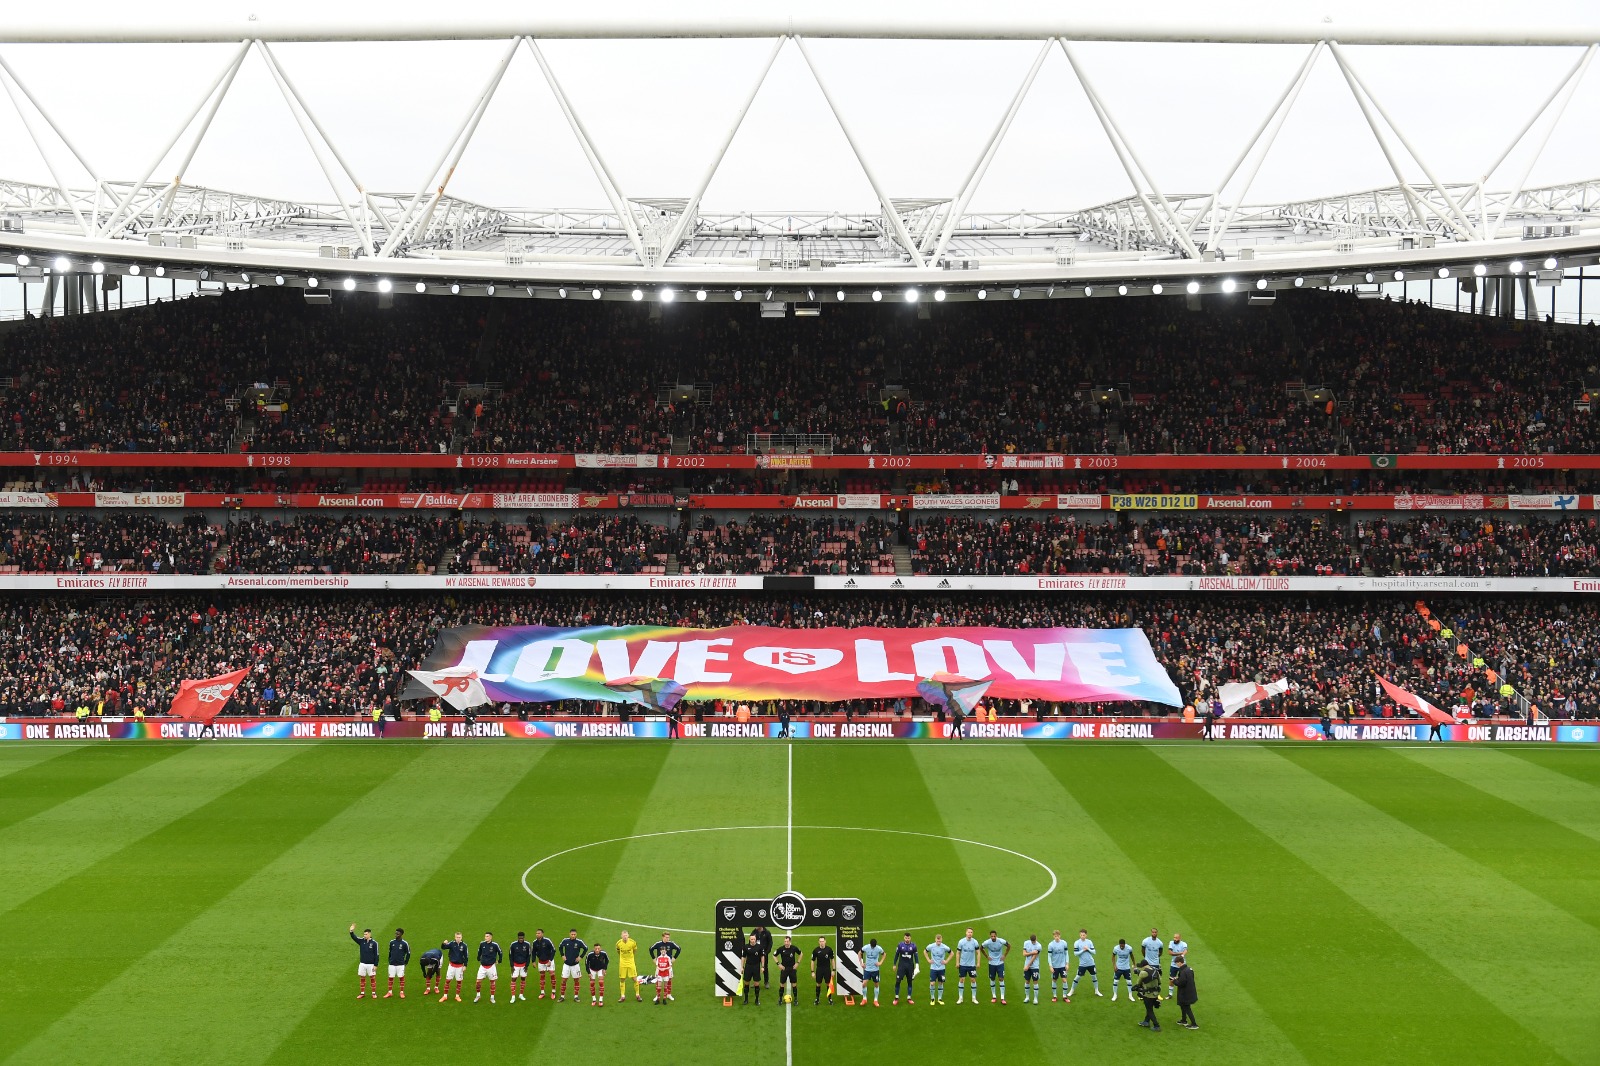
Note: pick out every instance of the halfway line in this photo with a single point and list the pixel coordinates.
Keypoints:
(788, 882)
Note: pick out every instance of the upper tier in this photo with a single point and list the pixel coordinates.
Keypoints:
(259, 376)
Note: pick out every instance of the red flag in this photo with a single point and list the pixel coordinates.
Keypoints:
(203, 700)
(1416, 703)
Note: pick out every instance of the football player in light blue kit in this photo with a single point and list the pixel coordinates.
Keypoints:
(1152, 949)
(937, 953)
(1083, 947)
(872, 969)
(1030, 967)
(1123, 953)
(1057, 953)
(966, 966)
(996, 948)
(1178, 948)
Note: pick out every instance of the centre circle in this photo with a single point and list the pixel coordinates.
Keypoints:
(529, 879)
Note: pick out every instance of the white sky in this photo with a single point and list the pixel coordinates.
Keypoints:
(922, 111)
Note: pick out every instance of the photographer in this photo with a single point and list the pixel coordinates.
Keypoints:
(1147, 986)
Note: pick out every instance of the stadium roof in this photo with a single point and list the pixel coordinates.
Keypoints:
(1423, 223)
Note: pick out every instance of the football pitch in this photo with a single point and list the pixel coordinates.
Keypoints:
(178, 903)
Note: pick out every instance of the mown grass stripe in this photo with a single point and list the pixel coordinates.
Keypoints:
(106, 919)
(1405, 878)
(44, 784)
(665, 880)
(1102, 889)
(67, 838)
(693, 791)
(287, 908)
(1256, 900)
(1527, 849)
(19, 756)
(1577, 761)
(578, 791)
(901, 880)
(1563, 799)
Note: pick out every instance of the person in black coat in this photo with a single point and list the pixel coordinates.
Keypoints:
(1187, 996)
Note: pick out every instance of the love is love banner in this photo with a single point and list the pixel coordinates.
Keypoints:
(534, 664)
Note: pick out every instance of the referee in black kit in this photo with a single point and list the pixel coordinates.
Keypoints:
(764, 938)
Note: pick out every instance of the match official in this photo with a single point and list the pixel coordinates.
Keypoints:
(764, 938)
(822, 969)
(753, 959)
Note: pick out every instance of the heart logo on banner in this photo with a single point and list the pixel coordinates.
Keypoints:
(794, 660)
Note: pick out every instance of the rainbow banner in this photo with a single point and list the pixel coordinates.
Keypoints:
(537, 664)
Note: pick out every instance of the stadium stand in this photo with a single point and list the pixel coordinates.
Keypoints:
(1318, 373)
(345, 654)
(604, 542)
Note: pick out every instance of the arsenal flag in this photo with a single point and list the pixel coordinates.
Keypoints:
(1416, 703)
(461, 689)
(1240, 694)
(201, 701)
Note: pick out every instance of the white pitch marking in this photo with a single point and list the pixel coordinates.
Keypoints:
(788, 884)
(1046, 894)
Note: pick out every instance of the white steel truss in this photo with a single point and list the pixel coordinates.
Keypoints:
(430, 234)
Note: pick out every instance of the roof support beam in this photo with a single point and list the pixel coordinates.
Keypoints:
(1168, 218)
(99, 184)
(49, 160)
(1274, 119)
(1394, 24)
(117, 221)
(1455, 218)
(891, 214)
(619, 203)
(297, 107)
(1568, 86)
(981, 167)
(411, 222)
(690, 209)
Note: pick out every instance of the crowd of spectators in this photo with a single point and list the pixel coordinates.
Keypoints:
(666, 484)
(347, 655)
(1290, 545)
(1149, 375)
(336, 544)
(113, 541)
(788, 542)
(584, 542)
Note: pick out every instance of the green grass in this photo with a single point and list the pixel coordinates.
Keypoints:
(172, 903)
